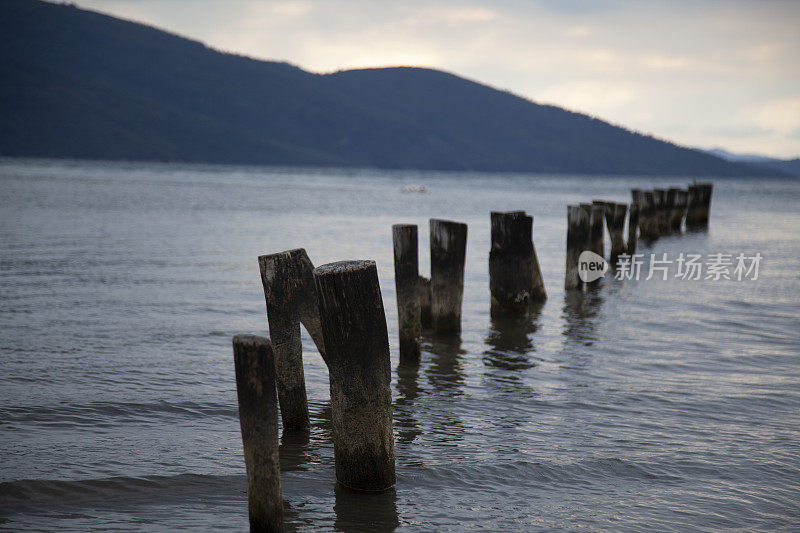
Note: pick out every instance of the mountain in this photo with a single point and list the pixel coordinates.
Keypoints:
(787, 166)
(79, 84)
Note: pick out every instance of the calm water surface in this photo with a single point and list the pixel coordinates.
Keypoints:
(644, 405)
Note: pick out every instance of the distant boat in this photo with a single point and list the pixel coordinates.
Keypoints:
(419, 189)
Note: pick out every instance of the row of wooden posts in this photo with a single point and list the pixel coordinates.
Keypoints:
(341, 307)
(651, 214)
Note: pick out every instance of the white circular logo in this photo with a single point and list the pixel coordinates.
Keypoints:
(591, 266)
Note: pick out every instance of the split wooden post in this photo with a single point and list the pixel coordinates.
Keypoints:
(633, 226)
(578, 233)
(448, 253)
(406, 282)
(357, 355)
(515, 279)
(699, 206)
(615, 222)
(258, 419)
(291, 300)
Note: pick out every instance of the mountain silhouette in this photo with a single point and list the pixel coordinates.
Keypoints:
(80, 84)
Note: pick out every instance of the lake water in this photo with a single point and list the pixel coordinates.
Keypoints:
(644, 405)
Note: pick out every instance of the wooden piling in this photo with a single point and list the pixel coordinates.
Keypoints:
(708, 188)
(448, 252)
(662, 211)
(633, 226)
(676, 198)
(699, 205)
(515, 279)
(406, 281)
(424, 288)
(596, 217)
(291, 300)
(578, 233)
(357, 355)
(637, 197)
(648, 224)
(615, 222)
(258, 418)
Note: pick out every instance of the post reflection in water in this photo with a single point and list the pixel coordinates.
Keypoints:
(510, 340)
(365, 512)
(447, 376)
(446, 370)
(507, 359)
(294, 449)
(408, 389)
(299, 448)
(580, 312)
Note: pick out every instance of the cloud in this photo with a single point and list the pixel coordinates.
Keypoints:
(661, 62)
(781, 116)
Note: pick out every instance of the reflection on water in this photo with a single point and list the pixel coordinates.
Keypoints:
(510, 340)
(446, 369)
(447, 377)
(581, 311)
(365, 512)
(408, 389)
(509, 356)
(123, 284)
(294, 449)
(299, 449)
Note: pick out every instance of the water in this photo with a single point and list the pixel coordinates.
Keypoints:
(666, 405)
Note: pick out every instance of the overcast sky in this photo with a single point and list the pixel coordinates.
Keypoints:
(701, 73)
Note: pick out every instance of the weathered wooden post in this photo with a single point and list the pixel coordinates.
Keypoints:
(258, 419)
(699, 206)
(406, 282)
(676, 198)
(425, 301)
(448, 253)
(633, 226)
(662, 211)
(615, 222)
(647, 217)
(694, 207)
(596, 216)
(707, 190)
(637, 197)
(357, 355)
(291, 300)
(515, 280)
(578, 233)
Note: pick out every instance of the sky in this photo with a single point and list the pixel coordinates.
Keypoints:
(703, 73)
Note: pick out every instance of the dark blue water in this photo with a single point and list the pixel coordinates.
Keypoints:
(644, 405)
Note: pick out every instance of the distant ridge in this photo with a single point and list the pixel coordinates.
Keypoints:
(787, 166)
(79, 84)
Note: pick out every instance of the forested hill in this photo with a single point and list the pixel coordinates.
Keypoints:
(78, 84)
